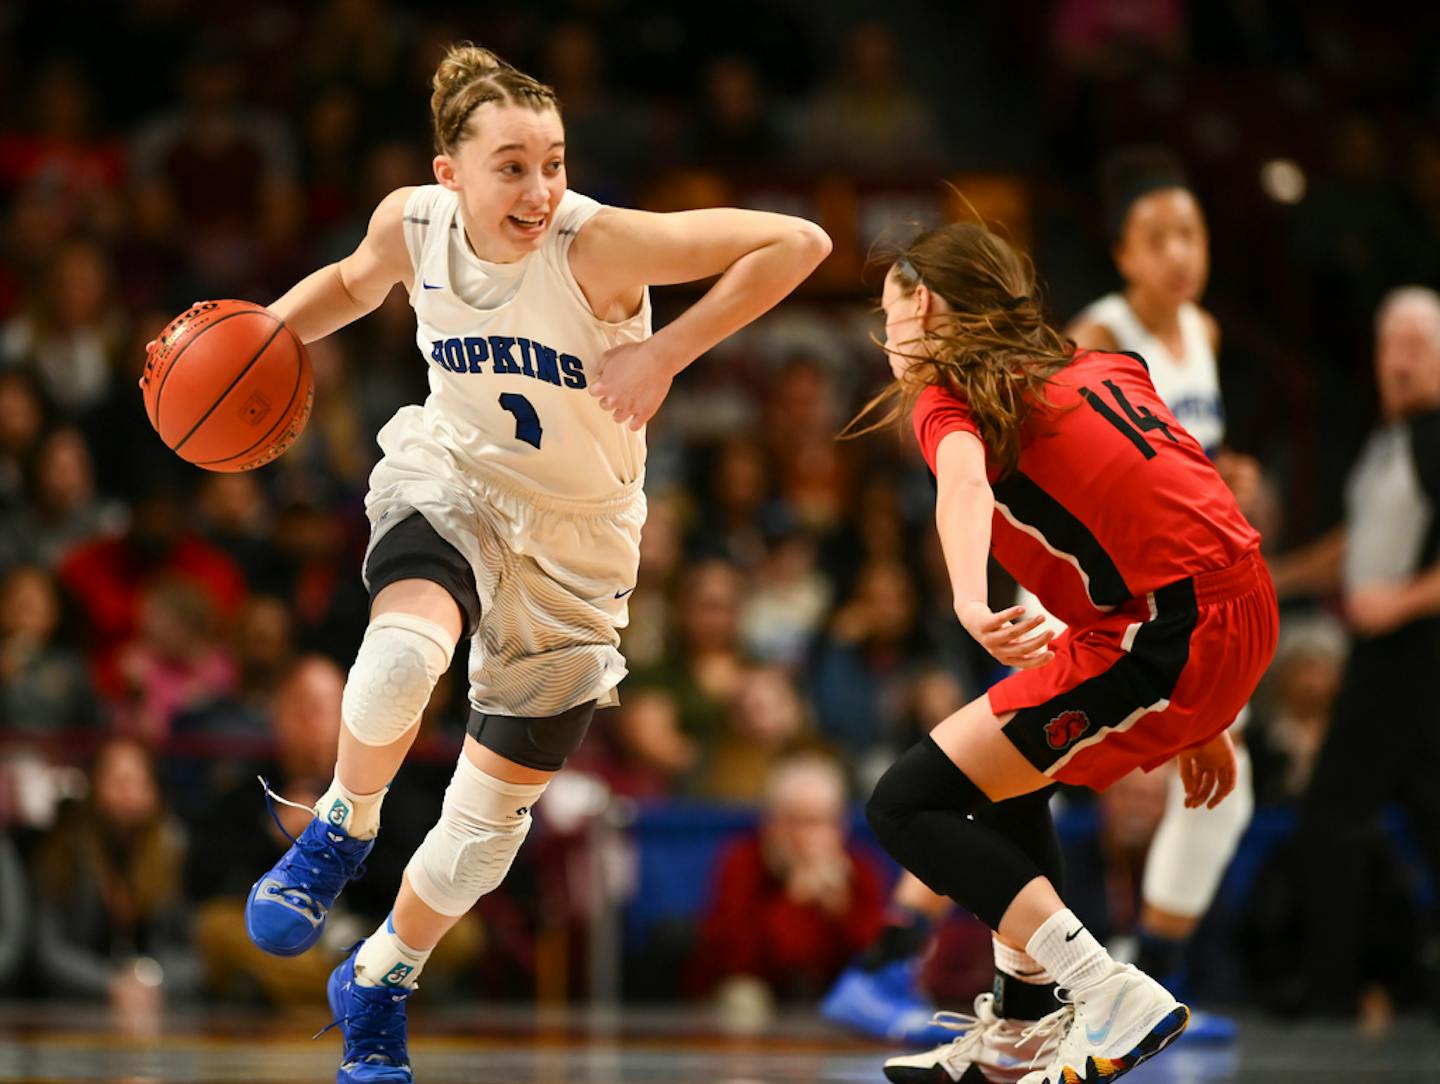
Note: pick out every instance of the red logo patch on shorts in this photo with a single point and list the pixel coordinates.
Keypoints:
(1065, 729)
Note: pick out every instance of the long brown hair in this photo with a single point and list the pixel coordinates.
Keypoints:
(995, 350)
(470, 76)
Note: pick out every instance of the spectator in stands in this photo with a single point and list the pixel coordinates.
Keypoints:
(867, 119)
(606, 135)
(793, 901)
(813, 473)
(1382, 742)
(44, 686)
(646, 639)
(69, 334)
(63, 509)
(736, 130)
(176, 664)
(111, 921)
(233, 512)
(863, 662)
(217, 172)
(1300, 696)
(788, 601)
(1103, 869)
(107, 578)
(731, 517)
(703, 670)
(24, 416)
(15, 914)
(335, 453)
(313, 544)
(128, 455)
(62, 154)
(768, 721)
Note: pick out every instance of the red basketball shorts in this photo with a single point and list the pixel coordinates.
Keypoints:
(1155, 676)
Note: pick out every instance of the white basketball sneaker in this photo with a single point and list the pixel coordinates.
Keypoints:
(990, 1050)
(1107, 1030)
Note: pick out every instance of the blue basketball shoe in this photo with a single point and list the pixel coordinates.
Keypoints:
(372, 1022)
(885, 1003)
(285, 912)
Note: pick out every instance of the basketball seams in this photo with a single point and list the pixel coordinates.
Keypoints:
(170, 365)
(279, 326)
(284, 418)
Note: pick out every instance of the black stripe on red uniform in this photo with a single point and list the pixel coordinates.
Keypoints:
(1137, 681)
(1062, 532)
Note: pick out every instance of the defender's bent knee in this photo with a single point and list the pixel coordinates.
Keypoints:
(395, 671)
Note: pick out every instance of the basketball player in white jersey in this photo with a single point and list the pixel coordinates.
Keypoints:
(1161, 249)
(506, 510)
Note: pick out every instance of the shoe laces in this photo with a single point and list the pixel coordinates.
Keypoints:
(1056, 1024)
(314, 853)
(971, 1029)
(374, 1026)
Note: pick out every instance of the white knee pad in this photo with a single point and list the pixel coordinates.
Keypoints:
(1192, 848)
(482, 823)
(395, 671)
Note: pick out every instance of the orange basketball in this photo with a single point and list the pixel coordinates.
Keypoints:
(228, 386)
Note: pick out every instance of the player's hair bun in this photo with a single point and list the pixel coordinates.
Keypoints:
(468, 77)
(464, 62)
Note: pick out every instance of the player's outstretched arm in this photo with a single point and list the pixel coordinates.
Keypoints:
(341, 292)
(964, 505)
(759, 256)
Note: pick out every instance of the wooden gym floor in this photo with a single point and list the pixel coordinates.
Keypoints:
(506, 1045)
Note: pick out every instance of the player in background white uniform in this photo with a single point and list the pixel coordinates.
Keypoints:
(506, 509)
(1161, 249)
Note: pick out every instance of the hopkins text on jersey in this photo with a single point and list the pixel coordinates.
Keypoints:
(507, 354)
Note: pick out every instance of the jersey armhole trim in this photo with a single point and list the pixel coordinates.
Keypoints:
(567, 275)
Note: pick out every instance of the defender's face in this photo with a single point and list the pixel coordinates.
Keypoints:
(1165, 249)
(904, 324)
(510, 174)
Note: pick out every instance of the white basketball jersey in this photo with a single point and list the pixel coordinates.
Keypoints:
(1190, 384)
(512, 349)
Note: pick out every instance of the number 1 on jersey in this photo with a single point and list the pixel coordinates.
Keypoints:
(527, 422)
(1141, 421)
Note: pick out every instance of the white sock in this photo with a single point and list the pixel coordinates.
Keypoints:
(385, 960)
(357, 815)
(1065, 948)
(1020, 965)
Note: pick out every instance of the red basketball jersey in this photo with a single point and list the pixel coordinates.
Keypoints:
(1111, 499)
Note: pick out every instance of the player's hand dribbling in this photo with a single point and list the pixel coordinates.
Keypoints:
(1007, 638)
(631, 381)
(1208, 772)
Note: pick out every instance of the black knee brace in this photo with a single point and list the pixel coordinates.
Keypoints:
(939, 825)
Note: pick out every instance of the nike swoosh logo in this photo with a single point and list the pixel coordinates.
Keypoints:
(429, 287)
(1099, 1035)
(1072, 936)
(622, 594)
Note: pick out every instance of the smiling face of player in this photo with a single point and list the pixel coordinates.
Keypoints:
(1164, 249)
(510, 173)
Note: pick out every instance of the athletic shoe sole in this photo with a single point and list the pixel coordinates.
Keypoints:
(1107, 1069)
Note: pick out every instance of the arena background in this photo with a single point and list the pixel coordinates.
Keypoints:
(166, 635)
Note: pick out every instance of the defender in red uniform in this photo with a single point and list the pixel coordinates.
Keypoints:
(1070, 469)
(1116, 520)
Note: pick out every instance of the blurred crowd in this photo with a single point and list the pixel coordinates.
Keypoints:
(166, 635)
